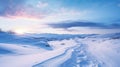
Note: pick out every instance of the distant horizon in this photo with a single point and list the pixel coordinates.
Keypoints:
(9, 31)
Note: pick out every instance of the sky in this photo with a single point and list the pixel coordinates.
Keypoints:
(60, 16)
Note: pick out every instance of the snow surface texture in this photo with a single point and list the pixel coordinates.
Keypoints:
(91, 51)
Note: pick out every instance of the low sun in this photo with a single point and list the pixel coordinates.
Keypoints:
(20, 31)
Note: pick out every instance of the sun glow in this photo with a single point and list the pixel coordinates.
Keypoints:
(20, 31)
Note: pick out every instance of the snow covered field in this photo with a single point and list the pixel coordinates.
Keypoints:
(27, 56)
(91, 51)
(104, 50)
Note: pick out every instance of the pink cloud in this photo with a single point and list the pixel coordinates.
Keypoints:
(25, 13)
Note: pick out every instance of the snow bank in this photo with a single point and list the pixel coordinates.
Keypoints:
(105, 50)
(27, 56)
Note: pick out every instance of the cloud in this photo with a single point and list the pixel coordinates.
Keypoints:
(39, 9)
(86, 30)
(21, 8)
(63, 14)
(35, 26)
(10, 6)
(69, 24)
(42, 4)
(114, 25)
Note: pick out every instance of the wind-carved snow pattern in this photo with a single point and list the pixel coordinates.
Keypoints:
(87, 51)
(81, 58)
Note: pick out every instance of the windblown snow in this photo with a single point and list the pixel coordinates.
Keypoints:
(90, 51)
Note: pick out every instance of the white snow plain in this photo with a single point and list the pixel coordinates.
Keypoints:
(87, 52)
(27, 56)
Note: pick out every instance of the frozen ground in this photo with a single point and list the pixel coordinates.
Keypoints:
(91, 51)
(27, 56)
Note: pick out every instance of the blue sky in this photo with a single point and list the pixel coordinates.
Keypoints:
(60, 16)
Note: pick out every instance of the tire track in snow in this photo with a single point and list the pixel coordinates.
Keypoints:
(56, 61)
(81, 58)
(72, 57)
